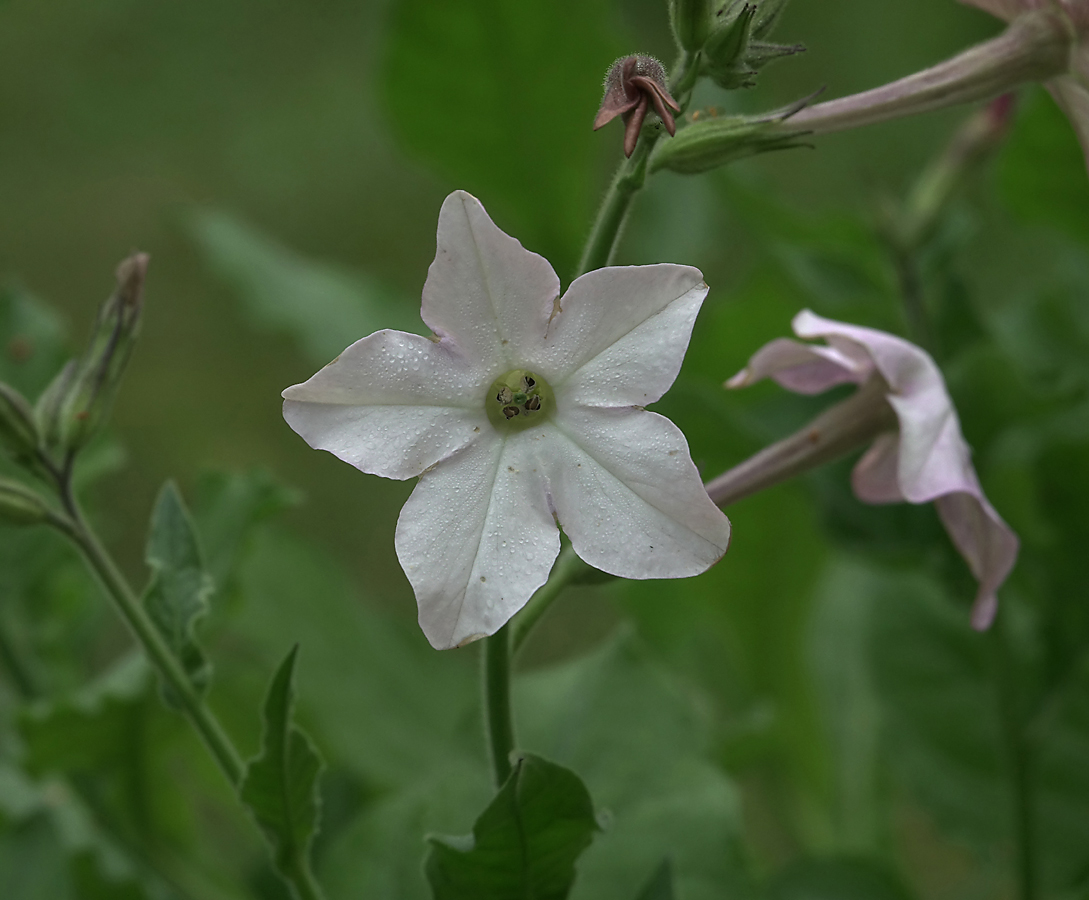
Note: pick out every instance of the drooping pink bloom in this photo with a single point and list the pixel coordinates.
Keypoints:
(925, 459)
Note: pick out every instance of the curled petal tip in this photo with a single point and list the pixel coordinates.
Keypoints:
(740, 380)
(983, 612)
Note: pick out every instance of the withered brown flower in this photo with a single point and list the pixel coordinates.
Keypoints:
(632, 85)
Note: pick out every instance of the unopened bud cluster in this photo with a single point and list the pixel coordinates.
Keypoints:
(44, 437)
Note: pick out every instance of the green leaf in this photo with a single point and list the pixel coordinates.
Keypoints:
(280, 786)
(493, 93)
(660, 886)
(639, 738)
(523, 845)
(324, 307)
(177, 595)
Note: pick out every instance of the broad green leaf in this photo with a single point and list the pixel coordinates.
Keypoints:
(639, 738)
(280, 786)
(370, 668)
(177, 595)
(493, 94)
(524, 844)
(937, 681)
(660, 886)
(324, 307)
(93, 729)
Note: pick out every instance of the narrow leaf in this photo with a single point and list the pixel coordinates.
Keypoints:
(523, 845)
(178, 593)
(280, 785)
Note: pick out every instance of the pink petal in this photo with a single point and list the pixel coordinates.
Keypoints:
(987, 544)
(875, 478)
(802, 368)
(1073, 97)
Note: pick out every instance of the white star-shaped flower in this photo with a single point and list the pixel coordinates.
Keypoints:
(926, 459)
(524, 412)
(1070, 91)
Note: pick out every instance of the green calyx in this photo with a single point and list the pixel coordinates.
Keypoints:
(519, 399)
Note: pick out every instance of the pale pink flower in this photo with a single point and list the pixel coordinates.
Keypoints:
(523, 413)
(925, 459)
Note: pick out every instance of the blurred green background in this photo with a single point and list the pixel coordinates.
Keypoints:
(834, 728)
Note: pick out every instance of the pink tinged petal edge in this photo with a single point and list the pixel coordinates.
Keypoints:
(392, 404)
(477, 538)
(621, 335)
(987, 544)
(485, 292)
(628, 495)
(876, 476)
(802, 368)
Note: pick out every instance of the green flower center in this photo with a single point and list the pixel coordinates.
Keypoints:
(518, 400)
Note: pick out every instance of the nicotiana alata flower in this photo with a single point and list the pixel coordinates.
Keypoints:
(1070, 91)
(523, 412)
(926, 458)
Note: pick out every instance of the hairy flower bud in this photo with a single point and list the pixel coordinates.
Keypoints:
(632, 86)
(691, 21)
(85, 400)
(19, 505)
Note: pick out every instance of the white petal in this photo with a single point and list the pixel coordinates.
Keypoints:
(1073, 97)
(392, 404)
(876, 477)
(628, 495)
(802, 368)
(620, 334)
(985, 541)
(477, 538)
(485, 291)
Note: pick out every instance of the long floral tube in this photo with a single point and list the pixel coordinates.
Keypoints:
(1035, 47)
(849, 425)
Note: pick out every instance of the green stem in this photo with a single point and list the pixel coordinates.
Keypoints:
(630, 177)
(148, 636)
(498, 716)
(1017, 745)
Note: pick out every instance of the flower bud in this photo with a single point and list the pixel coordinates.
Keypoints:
(734, 53)
(18, 432)
(632, 85)
(19, 505)
(712, 142)
(691, 21)
(88, 396)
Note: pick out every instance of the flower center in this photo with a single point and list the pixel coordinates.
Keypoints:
(518, 400)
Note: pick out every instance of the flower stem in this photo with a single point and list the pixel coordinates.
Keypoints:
(498, 716)
(1020, 757)
(75, 527)
(1035, 47)
(847, 426)
(630, 177)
